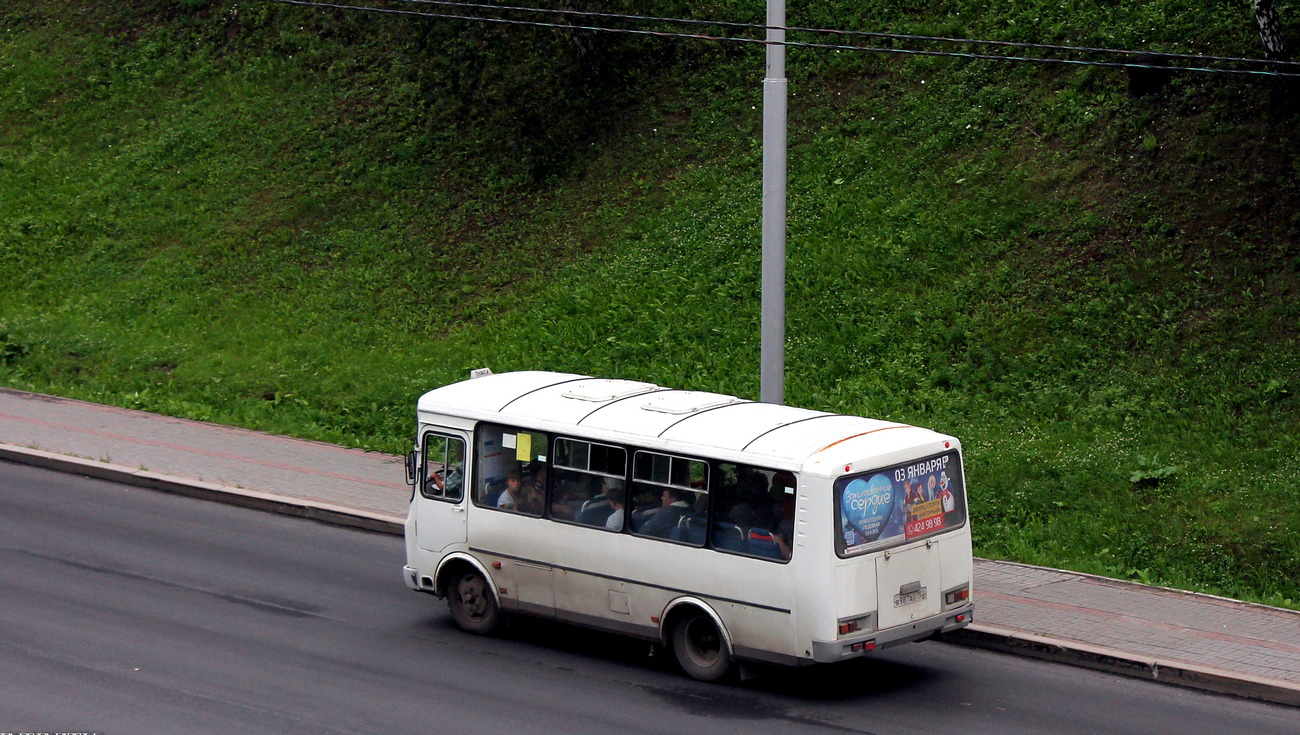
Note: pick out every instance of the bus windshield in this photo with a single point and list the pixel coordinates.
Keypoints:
(894, 505)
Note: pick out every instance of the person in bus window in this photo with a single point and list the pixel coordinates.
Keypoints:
(509, 499)
(674, 507)
(532, 502)
(615, 520)
(758, 496)
(449, 479)
(562, 501)
(596, 511)
(781, 502)
(537, 477)
(534, 492)
(782, 544)
(784, 530)
(742, 516)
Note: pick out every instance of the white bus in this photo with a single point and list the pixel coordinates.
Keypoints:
(726, 530)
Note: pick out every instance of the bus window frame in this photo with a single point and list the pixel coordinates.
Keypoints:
(715, 518)
(587, 470)
(429, 490)
(556, 469)
(708, 481)
(483, 427)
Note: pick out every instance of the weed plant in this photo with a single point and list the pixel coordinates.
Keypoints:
(298, 222)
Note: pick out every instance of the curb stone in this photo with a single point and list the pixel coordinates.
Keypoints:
(229, 494)
(1114, 661)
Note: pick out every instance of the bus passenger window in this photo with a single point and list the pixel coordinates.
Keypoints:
(754, 510)
(589, 479)
(511, 469)
(670, 496)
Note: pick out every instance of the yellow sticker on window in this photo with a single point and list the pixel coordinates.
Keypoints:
(524, 447)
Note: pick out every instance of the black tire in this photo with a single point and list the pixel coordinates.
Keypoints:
(472, 604)
(700, 648)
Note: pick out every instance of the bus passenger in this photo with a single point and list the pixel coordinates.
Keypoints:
(524, 496)
(782, 544)
(509, 499)
(596, 511)
(665, 519)
(562, 501)
(537, 476)
(742, 516)
(534, 492)
(615, 520)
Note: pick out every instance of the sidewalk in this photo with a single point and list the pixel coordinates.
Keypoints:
(1165, 635)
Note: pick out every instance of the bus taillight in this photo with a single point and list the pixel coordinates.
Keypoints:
(862, 623)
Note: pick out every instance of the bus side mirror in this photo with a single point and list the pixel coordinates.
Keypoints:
(410, 468)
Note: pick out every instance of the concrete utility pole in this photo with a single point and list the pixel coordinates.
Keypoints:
(772, 350)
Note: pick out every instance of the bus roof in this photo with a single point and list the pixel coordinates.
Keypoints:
(651, 415)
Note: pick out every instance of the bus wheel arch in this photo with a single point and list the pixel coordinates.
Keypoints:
(471, 595)
(698, 639)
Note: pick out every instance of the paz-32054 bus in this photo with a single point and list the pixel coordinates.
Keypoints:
(725, 529)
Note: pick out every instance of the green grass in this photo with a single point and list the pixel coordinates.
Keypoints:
(299, 222)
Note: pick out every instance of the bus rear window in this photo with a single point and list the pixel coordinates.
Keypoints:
(894, 505)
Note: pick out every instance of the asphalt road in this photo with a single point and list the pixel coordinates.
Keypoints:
(127, 611)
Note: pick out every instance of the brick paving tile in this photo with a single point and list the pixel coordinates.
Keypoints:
(1165, 624)
(204, 451)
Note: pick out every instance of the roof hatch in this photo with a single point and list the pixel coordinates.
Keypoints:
(682, 402)
(604, 391)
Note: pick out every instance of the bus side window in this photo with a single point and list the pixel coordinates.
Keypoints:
(511, 467)
(754, 511)
(589, 483)
(667, 492)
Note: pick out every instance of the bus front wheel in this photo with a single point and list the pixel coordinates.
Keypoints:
(700, 649)
(472, 604)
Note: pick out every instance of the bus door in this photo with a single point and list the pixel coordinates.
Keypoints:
(908, 585)
(440, 511)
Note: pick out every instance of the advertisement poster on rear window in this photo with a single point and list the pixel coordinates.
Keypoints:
(901, 503)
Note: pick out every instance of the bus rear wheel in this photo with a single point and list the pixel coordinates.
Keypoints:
(700, 648)
(472, 604)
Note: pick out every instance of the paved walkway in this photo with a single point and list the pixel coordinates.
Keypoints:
(1181, 638)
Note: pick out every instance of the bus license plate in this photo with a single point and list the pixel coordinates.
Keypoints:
(909, 598)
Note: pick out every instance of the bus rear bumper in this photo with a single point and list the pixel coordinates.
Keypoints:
(826, 652)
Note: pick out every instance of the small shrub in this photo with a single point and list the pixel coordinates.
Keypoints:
(1150, 472)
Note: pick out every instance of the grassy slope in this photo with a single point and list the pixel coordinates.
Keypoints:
(298, 222)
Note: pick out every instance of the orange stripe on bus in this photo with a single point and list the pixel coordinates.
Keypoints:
(855, 436)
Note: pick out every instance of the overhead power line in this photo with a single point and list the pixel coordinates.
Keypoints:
(1143, 56)
(843, 32)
